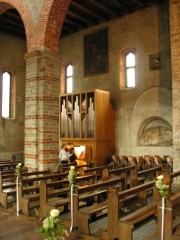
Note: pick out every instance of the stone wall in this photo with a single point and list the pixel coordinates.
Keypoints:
(175, 58)
(12, 52)
(148, 32)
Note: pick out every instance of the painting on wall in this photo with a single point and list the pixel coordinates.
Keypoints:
(154, 61)
(96, 53)
(156, 133)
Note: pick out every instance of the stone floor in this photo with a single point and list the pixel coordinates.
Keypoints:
(23, 228)
(14, 227)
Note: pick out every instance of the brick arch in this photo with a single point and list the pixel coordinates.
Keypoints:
(24, 13)
(52, 19)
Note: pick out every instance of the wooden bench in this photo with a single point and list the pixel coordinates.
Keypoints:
(8, 165)
(131, 176)
(7, 179)
(171, 222)
(121, 227)
(97, 194)
(94, 170)
(108, 173)
(39, 195)
(27, 184)
(152, 172)
(65, 167)
(62, 199)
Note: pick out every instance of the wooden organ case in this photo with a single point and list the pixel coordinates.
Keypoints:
(87, 119)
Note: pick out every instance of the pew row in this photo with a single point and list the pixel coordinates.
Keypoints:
(47, 203)
(65, 167)
(48, 194)
(121, 227)
(97, 194)
(27, 184)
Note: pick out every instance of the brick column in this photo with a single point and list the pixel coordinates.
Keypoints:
(42, 110)
(175, 62)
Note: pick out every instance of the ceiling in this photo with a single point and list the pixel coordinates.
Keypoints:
(81, 15)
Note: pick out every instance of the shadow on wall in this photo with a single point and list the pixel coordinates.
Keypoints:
(2, 130)
(155, 132)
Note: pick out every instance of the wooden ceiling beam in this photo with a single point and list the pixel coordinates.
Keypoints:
(13, 15)
(7, 20)
(104, 8)
(14, 31)
(81, 18)
(87, 10)
(125, 5)
(69, 28)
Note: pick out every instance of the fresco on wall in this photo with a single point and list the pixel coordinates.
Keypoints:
(160, 135)
(96, 53)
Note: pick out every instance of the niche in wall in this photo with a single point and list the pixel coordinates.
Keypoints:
(155, 131)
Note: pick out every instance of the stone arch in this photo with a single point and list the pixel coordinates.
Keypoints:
(52, 19)
(152, 108)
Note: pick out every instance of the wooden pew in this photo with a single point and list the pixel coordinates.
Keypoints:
(171, 222)
(9, 165)
(118, 171)
(121, 228)
(27, 185)
(34, 196)
(46, 194)
(150, 173)
(96, 170)
(110, 173)
(9, 171)
(131, 175)
(83, 215)
(65, 167)
(8, 179)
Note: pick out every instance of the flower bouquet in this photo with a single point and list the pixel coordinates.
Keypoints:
(162, 188)
(72, 180)
(52, 228)
(72, 176)
(18, 170)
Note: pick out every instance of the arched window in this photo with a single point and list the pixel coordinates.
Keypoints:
(69, 78)
(130, 70)
(8, 95)
(127, 68)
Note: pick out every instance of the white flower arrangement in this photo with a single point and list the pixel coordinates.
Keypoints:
(162, 187)
(72, 175)
(52, 228)
(18, 170)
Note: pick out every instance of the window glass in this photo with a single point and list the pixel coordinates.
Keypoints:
(69, 70)
(69, 78)
(130, 60)
(69, 85)
(6, 88)
(130, 70)
(131, 77)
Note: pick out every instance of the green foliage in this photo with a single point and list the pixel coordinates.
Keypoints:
(52, 228)
(18, 170)
(72, 175)
(162, 187)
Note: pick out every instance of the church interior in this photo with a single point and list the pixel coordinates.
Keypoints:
(100, 78)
